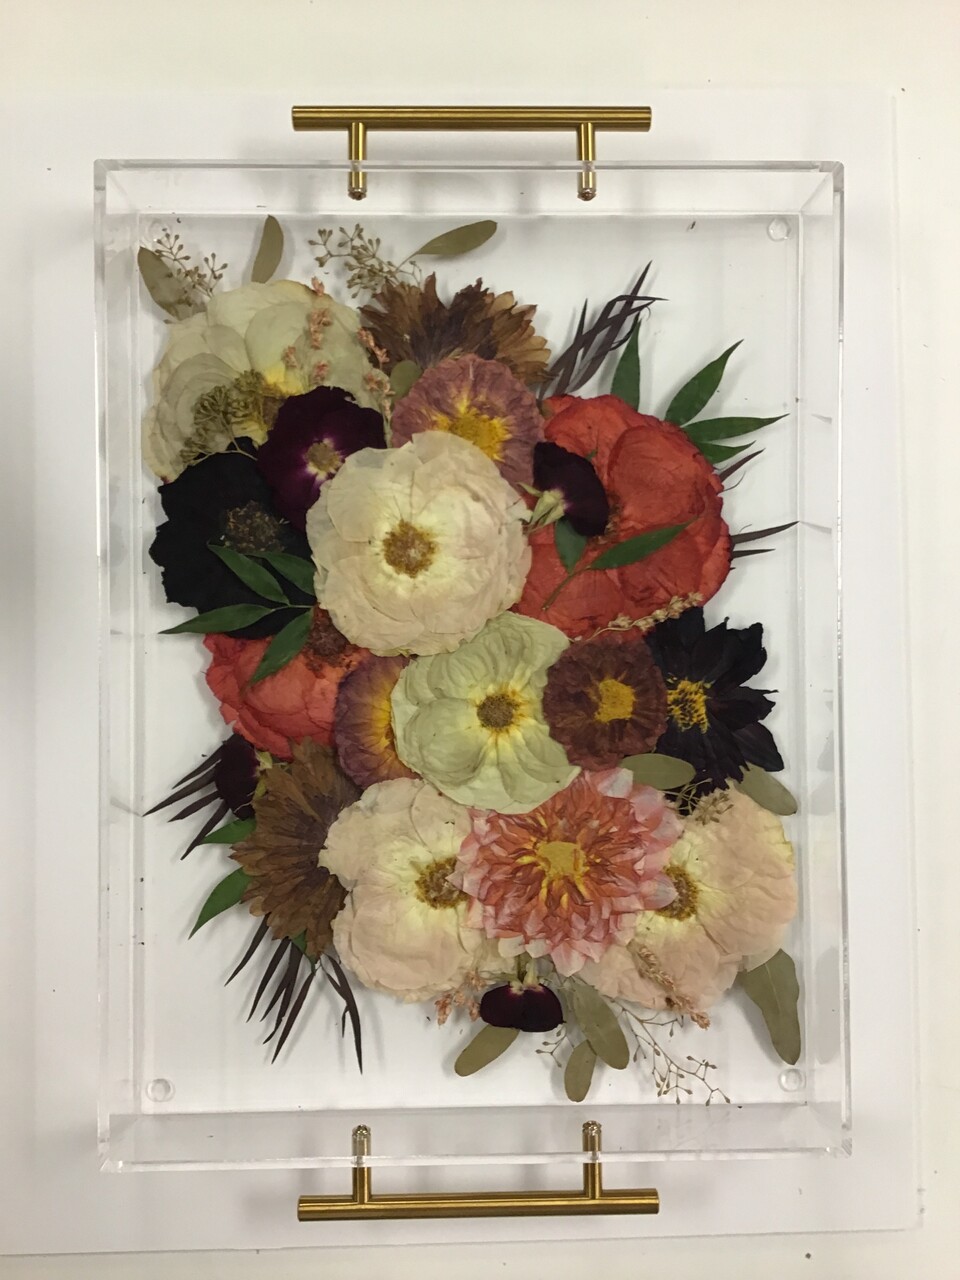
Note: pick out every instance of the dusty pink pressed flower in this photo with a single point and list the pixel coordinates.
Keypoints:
(568, 879)
(362, 726)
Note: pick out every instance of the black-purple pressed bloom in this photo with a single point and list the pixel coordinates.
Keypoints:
(585, 501)
(532, 1008)
(235, 775)
(308, 443)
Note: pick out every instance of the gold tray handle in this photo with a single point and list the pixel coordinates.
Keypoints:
(584, 120)
(592, 1200)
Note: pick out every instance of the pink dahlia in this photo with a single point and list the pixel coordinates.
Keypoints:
(568, 879)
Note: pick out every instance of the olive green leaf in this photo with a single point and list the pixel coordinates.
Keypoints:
(485, 1047)
(162, 285)
(570, 544)
(295, 569)
(405, 374)
(638, 548)
(270, 251)
(710, 430)
(226, 894)
(284, 646)
(665, 773)
(626, 376)
(693, 395)
(218, 621)
(231, 832)
(716, 453)
(578, 1074)
(768, 791)
(774, 989)
(599, 1024)
(459, 240)
(250, 573)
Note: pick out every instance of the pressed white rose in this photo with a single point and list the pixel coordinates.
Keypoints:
(471, 722)
(226, 370)
(417, 547)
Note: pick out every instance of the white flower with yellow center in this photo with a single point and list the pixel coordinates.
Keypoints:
(417, 547)
(402, 928)
(471, 722)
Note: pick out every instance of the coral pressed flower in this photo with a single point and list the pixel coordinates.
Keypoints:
(417, 547)
(411, 323)
(294, 811)
(363, 727)
(471, 721)
(480, 401)
(569, 879)
(295, 703)
(604, 700)
(655, 478)
(403, 928)
(733, 872)
(713, 718)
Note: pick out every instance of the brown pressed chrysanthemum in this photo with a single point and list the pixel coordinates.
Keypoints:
(294, 812)
(605, 700)
(412, 323)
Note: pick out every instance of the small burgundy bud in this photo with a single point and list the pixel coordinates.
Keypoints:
(532, 1008)
(584, 498)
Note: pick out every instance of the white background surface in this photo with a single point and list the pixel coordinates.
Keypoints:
(559, 51)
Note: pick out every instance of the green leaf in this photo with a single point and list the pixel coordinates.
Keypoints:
(405, 374)
(485, 1047)
(226, 894)
(599, 1024)
(294, 568)
(162, 285)
(570, 544)
(230, 618)
(693, 395)
(716, 453)
(768, 791)
(638, 548)
(270, 251)
(709, 430)
(626, 377)
(666, 773)
(774, 989)
(231, 832)
(284, 646)
(253, 575)
(460, 240)
(578, 1074)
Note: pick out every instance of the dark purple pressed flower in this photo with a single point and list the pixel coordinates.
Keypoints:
(236, 773)
(533, 1008)
(308, 443)
(585, 501)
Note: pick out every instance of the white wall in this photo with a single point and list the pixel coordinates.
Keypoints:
(616, 50)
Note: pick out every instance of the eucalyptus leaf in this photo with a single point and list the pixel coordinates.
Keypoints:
(774, 989)
(709, 430)
(226, 894)
(693, 395)
(253, 575)
(768, 791)
(270, 251)
(578, 1074)
(665, 773)
(638, 548)
(162, 285)
(219, 621)
(284, 646)
(302, 573)
(231, 832)
(460, 240)
(570, 544)
(599, 1024)
(405, 374)
(626, 376)
(485, 1047)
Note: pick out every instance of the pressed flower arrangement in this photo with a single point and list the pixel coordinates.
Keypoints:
(493, 749)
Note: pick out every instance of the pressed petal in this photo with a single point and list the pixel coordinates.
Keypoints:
(585, 501)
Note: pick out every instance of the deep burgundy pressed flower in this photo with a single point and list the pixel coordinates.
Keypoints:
(235, 775)
(585, 501)
(531, 1008)
(308, 443)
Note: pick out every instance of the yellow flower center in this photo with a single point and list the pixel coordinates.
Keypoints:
(323, 458)
(562, 862)
(687, 704)
(499, 711)
(614, 701)
(480, 429)
(433, 884)
(408, 550)
(684, 904)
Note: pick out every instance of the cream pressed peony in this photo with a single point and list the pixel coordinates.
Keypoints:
(226, 370)
(471, 722)
(403, 928)
(736, 893)
(417, 547)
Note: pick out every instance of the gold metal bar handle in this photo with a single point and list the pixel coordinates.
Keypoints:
(591, 1201)
(584, 120)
